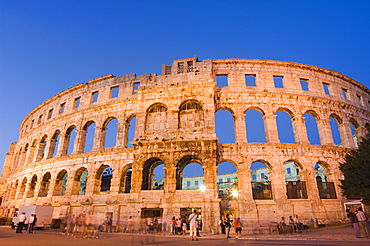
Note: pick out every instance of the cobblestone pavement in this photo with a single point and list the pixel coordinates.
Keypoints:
(338, 233)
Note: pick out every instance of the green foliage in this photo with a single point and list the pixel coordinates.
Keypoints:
(356, 172)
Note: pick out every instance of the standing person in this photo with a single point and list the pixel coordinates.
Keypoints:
(31, 223)
(193, 218)
(354, 222)
(361, 217)
(21, 220)
(238, 228)
(179, 226)
(173, 225)
(184, 226)
(227, 226)
(108, 224)
(222, 224)
(129, 225)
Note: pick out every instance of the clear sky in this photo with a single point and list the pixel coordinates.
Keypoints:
(48, 46)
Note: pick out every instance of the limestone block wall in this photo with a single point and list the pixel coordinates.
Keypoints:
(173, 115)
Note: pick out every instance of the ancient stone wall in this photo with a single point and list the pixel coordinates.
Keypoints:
(174, 116)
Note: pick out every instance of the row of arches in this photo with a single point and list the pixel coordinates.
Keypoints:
(281, 127)
(189, 175)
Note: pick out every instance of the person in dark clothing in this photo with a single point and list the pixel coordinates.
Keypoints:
(354, 222)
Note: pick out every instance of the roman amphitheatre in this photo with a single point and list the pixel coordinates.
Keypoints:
(95, 147)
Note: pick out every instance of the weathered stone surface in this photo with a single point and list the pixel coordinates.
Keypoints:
(175, 126)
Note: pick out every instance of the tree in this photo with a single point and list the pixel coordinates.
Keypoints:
(356, 172)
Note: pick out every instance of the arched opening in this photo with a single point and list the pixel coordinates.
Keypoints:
(326, 189)
(111, 130)
(54, 143)
(130, 134)
(32, 187)
(334, 122)
(149, 182)
(224, 124)
(285, 127)
(42, 148)
(80, 181)
(125, 182)
(13, 191)
(296, 189)
(89, 137)
(44, 186)
(255, 126)
(354, 126)
(71, 135)
(227, 180)
(260, 181)
(189, 174)
(61, 183)
(103, 179)
(311, 128)
(22, 188)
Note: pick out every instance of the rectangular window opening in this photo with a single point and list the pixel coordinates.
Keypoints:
(344, 93)
(50, 114)
(326, 88)
(62, 108)
(77, 102)
(221, 80)
(288, 170)
(114, 92)
(250, 80)
(278, 82)
(180, 67)
(190, 66)
(136, 87)
(95, 96)
(359, 99)
(39, 120)
(304, 84)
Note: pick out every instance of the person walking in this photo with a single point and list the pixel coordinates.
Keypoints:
(362, 222)
(238, 228)
(173, 225)
(222, 224)
(227, 222)
(193, 218)
(21, 220)
(354, 222)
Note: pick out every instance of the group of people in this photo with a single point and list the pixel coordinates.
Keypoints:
(358, 220)
(227, 222)
(294, 222)
(84, 226)
(22, 219)
(178, 226)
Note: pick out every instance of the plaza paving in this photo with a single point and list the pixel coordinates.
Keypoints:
(332, 235)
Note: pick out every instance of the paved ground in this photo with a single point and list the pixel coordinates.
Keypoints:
(334, 235)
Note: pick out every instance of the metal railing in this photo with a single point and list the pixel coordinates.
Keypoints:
(296, 189)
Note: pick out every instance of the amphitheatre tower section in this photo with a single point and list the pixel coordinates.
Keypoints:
(95, 146)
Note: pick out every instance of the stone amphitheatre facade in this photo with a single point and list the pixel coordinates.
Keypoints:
(174, 115)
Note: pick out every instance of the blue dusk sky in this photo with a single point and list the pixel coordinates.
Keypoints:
(49, 46)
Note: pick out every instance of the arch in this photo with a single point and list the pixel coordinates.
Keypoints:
(61, 183)
(354, 126)
(70, 138)
(130, 131)
(334, 126)
(296, 189)
(14, 190)
(182, 183)
(255, 126)
(227, 179)
(103, 179)
(125, 182)
(110, 131)
(260, 180)
(191, 116)
(54, 144)
(89, 135)
(80, 181)
(326, 189)
(44, 186)
(310, 120)
(42, 148)
(22, 188)
(156, 119)
(148, 172)
(32, 186)
(284, 125)
(225, 126)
